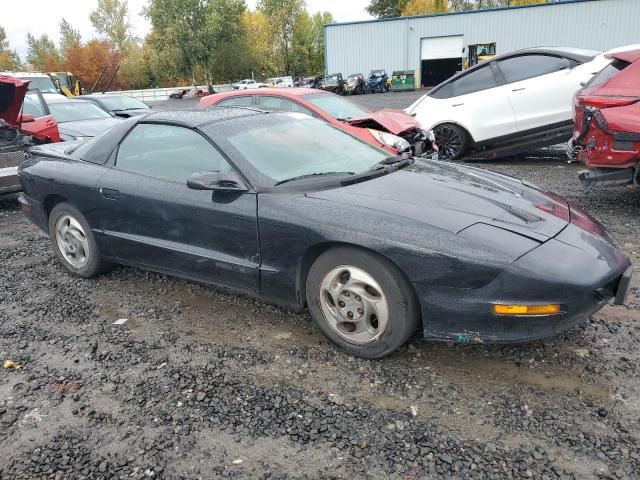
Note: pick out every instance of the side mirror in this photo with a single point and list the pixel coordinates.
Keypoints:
(217, 181)
(26, 118)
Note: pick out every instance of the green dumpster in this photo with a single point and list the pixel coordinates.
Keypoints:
(403, 80)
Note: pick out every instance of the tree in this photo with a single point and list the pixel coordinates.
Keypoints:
(316, 57)
(110, 19)
(257, 40)
(422, 7)
(386, 8)
(69, 37)
(225, 35)
(282, 16)
(87, 61)
(9, 59)
(42, 53)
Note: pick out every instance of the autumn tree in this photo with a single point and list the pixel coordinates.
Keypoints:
(422, 7)
(42, 53)
(87, 61)
(257, 38)
(9, 59)
(316, 56)
(225, 34)
(110, 19)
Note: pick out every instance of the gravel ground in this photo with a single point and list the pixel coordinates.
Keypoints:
(201, 383)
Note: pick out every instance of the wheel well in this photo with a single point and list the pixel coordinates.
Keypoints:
(315, 251)
(50, 202)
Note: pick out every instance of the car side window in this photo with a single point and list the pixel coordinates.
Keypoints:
(32, 106)
(242, 101)
(522, 67)
(170, 152)
(480, 79)
(270, 102)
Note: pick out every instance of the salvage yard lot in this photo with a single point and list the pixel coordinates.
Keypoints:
(201, 383)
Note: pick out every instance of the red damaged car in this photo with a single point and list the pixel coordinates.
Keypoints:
(393, 130)
(607, 123)
(25, 120)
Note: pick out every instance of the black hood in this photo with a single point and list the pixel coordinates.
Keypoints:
(454, 197)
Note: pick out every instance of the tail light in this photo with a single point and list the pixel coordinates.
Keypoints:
(554, 205)
(595, 103)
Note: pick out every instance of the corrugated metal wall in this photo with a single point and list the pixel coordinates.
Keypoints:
(395, 44)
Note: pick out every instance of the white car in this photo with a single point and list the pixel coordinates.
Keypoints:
(247, 84)
(523, 95)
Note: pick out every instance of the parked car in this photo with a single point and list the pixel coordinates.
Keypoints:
(378, 81)
(37, 81)
(523, 96)
(391, 129)
(79, 119)
(279, 82)
(332, 83)
(305, 214)
(355, 84)
(24, 122)
(195, 93)
(247, 84)
(606, 116)
(179, 95)
(117, 105)
(309, 82)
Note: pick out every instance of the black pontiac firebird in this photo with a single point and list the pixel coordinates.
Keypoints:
(290, 209)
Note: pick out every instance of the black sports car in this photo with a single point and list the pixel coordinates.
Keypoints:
(293, 210)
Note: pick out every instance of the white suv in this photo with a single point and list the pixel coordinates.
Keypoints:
(247, 84)
(518, 96)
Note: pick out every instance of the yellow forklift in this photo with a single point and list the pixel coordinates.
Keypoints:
(479, 52)
(67, 83)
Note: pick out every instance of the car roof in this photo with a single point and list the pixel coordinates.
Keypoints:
(57, 98)
(281, 92)
(196, 117)
(629, 56)
(26, 74)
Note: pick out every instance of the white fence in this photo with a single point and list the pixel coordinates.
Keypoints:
(160, 94)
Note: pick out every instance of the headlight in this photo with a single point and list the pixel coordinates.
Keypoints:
(390, 140)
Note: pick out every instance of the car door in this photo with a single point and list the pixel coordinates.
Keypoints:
(152, 218)
(44, 128)
(540, 88)
(476, 101)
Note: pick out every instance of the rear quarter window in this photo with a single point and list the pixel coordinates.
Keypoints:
(608, 72)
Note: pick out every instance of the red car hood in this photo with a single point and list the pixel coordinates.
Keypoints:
(12, 92)
(394, 121)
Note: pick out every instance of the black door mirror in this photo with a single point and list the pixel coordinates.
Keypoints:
(218, 181)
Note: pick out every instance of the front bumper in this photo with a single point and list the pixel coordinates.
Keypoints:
(577, 270)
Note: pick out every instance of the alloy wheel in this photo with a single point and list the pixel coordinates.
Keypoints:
(354, 304)
(448, 141)
(72, 241)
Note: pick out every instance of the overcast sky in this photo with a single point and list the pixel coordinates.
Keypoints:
(43, 16)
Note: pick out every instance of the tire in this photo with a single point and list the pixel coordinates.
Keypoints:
(371, 290)
(452, 140)
(77, 251)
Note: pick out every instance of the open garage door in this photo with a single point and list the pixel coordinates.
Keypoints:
(441, 58)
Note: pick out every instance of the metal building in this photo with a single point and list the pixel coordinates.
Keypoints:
(436, 46)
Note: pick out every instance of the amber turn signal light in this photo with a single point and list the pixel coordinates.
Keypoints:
(551, 309)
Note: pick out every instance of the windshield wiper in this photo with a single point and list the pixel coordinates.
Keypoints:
(311, 175)
(397, 160)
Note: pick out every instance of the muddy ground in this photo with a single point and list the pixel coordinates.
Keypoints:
(201, 383)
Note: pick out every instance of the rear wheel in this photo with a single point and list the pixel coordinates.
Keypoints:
(73, 242)
(452, 141)
(361, 302)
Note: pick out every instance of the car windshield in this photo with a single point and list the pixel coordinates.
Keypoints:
(377, 73)
(331, 78)
(44, 84)
(337, 107)
(296, 145)
(352, 78)
(74, 110)
(118, 103)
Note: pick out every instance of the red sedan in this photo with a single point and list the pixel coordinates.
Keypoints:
(607, 123)
(393, 130)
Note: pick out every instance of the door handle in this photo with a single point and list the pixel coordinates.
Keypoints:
(110, 193)
(457, 104)
(518, 89)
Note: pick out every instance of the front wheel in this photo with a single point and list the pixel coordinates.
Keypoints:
(452, 141)
(361, 302)
(73, 242)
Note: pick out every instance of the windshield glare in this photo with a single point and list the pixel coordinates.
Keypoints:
(44, 84)
(122, 103)
(297, 145)
(337, 107)
(74, 110)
